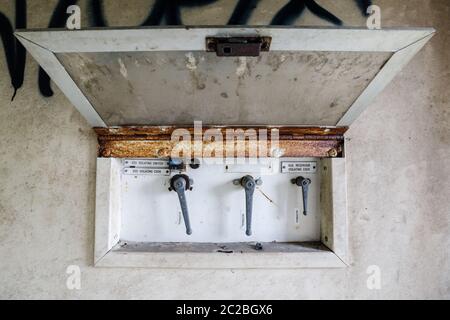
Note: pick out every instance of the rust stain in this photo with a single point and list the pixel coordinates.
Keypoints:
(155, 142)
(164, 132)
(164, 149)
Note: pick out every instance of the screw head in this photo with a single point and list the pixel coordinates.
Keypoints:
(249, 184)
(306, 182)
(178, 184)
(333, 153)
(195, 164)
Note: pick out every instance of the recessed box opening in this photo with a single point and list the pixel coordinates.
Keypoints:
(144, 227)
(138, 86)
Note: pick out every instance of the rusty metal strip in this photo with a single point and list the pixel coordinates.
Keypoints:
(165, 132)
(155, 142)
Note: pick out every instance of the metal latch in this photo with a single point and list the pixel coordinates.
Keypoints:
(238, 46)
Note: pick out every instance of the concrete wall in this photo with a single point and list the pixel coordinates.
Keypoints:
(398, 182)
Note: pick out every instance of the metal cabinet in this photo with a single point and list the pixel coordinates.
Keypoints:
(222, 147)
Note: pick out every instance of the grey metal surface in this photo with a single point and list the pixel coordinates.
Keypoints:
(234, 247)
(167, 88)
(304, 184)
(249, 184)
(181, 183)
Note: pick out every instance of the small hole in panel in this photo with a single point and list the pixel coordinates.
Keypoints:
(227, 50)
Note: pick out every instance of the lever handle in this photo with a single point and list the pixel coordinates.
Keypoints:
(304, 184)
(249, 185)
(181, 183)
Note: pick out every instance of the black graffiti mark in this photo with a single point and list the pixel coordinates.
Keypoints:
(242, 12)
(15, 53)
(173, 16)
(291, 11)
(364, 5)
(21, 53)
(6, 30)
(97, 19)
(156, 15)
(58, 20)
(167, 11)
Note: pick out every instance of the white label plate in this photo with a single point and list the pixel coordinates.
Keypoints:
(146, 171)
(299, 167)
(146, 163)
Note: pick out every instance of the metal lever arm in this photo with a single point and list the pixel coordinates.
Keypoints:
(180, 183)
(304, 184)
(249, 185)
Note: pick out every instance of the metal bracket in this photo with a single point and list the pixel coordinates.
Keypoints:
(238, 46)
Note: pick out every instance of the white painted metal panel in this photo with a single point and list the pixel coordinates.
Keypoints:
(258, 260)
(229, 255)
(405, 43)
(107, 206)
(151, 213)
(180, 87)
(188, 38)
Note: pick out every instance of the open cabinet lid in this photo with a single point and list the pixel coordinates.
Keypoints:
(168, 76)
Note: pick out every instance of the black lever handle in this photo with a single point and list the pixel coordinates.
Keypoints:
(249, 185)
(304, 184)
(181, 183)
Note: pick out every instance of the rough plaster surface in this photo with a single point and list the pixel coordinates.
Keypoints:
(398, 184)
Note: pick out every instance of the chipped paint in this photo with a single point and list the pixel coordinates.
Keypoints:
(285, 132)
(187, 149)
(144, 142)
(123, 68)
(191, 61)
(242, 68)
